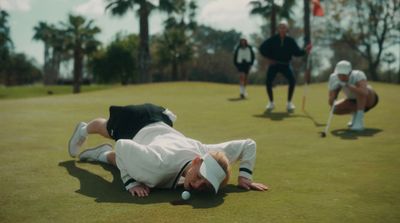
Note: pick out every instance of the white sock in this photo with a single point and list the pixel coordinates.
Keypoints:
(83, 131)
(360, 114)
(103, 157)
(242, 89)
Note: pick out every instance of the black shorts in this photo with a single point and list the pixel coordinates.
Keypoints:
(354, 101)
(244, 67)
(126, 121)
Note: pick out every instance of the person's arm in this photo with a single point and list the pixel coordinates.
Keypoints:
(360, 88)
(334, 88)
(332, 96)
(235, 57)
(245, 152)
(135, 188)
(297, 51)
(252, 55)
(265, 48)
(134, 152)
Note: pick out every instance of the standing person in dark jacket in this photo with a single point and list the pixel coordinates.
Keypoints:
(243, 60)
(279, 50)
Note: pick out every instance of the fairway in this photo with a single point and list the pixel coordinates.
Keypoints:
(345, 177)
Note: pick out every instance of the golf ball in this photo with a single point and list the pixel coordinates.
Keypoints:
(185, 195)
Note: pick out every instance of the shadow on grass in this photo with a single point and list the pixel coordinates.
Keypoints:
(103, 191)
(237, 99)
(275, 116)
(308, 116)
(350, 134)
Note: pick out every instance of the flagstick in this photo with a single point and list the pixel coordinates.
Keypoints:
(303, 104)
(307, 74)
(308, 66)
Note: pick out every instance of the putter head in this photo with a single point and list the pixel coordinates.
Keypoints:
(322, 134)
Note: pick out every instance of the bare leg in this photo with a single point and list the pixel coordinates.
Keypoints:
(344, 107)
(361, 101)
(371, 98)
(243, 83)
(98, 126)
(243, 79)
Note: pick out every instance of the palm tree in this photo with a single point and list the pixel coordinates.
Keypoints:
(45, 32)
(268, 9)
(80, 39)
(175, 47)
(5, 40)
(121, 7)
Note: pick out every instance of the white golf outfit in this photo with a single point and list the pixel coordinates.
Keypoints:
(355, 76)
(244, 54)
(158, 155)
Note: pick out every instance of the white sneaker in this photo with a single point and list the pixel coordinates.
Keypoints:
(93, 154)
(244, 95)
(290, 106)
(76, 140)
(358, 124)
(270, 106)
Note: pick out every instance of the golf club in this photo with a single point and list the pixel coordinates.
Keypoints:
(323, 134)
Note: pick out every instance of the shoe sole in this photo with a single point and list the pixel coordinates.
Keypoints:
(91, 149)
(69, 143)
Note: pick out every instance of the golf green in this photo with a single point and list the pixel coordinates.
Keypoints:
(345, 177)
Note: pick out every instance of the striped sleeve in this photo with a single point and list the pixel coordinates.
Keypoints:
(243, 151)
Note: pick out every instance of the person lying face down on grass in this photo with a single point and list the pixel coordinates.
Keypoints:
(151, 154)
(360, 97)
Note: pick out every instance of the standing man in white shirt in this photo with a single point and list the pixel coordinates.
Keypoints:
(360, 97)
(150, 153)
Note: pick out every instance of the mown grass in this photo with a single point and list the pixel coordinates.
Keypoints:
(345, 177)
(38, 90)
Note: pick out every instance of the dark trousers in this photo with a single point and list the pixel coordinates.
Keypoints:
(287, 72)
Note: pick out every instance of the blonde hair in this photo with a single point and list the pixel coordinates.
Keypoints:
(223, 161)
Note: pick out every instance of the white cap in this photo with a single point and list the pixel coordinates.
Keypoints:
(212, 171)
(343, 67)
(284, 22)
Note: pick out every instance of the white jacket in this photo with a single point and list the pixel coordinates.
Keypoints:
(158, 155)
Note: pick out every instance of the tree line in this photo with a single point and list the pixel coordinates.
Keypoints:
(362, 31)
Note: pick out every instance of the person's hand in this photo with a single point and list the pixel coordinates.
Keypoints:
(308, 48)
(342, 84)
(247, 184)
(140, 190)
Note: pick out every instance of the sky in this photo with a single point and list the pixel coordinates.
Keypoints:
(26, 14)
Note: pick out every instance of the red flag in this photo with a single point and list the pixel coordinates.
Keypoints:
(317, 10)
